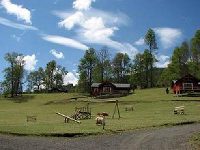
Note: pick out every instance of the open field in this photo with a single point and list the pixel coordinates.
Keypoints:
(152, 107)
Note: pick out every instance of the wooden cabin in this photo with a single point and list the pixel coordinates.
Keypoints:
(186, 84)
(110, 88)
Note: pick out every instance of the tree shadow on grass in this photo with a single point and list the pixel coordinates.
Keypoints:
(185, 100)
(21, 99)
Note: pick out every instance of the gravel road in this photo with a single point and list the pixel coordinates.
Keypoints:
(168, 138)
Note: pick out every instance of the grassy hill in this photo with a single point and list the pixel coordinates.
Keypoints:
(152, 107)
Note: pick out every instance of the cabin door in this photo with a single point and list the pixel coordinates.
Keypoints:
(187, 86)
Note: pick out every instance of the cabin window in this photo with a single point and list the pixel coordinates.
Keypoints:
(187, 86)
(107, 89)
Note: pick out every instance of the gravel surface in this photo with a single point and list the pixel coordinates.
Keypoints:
(169, 138)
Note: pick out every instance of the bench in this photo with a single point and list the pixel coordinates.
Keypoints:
(31, 118)
(179, 110)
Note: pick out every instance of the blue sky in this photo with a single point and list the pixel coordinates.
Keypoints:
(62, 30)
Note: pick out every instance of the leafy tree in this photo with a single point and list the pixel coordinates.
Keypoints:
(137, 73)
(178, 66)
(194, 65)
(150, 40)
(14, 74)
(59, 76)
(36, 79)
(50, 71)
(104, 64)
(121, 67)
(86, 68)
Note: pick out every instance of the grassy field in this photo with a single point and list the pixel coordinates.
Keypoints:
(152, 107)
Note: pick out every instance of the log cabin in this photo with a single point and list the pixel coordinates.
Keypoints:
(110, 88)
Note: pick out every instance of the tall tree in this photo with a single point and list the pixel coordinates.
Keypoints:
(14, 73)
(137, 73)
(104, 64)
(179, 64)
(150, 40)
(50, 71)
(36, 79)
(59, 76)
(195, 55)
(121, 67)
(86, 68)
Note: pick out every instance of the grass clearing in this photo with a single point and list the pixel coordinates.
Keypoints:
(152, 107)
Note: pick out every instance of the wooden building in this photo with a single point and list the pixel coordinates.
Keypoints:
(186, 84)
(109, 88)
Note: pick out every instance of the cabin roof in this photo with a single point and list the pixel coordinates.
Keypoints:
(117, 85)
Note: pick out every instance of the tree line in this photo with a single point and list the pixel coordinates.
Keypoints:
(185, 60)
(41, 80)
(99, 66)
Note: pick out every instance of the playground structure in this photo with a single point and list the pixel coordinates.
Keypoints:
(82, 113)
(67, 118)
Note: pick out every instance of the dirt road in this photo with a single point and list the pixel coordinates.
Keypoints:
(169, 138)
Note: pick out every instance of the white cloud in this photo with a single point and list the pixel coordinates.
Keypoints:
(72, 20)
(17, 10)
(71, 78)
(139, 42)
(64, 41)
(168, 36)
(163, 61)
(12, 24)
(30, 62)
(82, 4)
(58, 55)
(94, 30)
(96, 27)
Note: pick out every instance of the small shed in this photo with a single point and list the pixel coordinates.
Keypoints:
(110, 88)
(187, 83)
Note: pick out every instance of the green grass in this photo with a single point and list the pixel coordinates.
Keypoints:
(152, 107)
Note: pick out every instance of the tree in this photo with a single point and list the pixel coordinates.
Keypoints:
(195, 55)
(59, 76)
(14, 74)
(104, 64)
(179, 64)
(121, 67)
(150, 40)
(137, 73)
(86, 68)
(36, 79)
(50, 71)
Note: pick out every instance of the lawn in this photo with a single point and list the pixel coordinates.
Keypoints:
(152, 107)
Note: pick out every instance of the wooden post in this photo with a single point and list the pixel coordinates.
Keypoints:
(116, 107)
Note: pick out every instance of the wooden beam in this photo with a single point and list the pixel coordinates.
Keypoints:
(69, 118)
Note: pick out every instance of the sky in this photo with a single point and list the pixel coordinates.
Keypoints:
(61, 30)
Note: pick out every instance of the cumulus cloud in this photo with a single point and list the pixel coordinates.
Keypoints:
(72, 20)
(57, 54)
(12, 24)
(30, 62)
(64, 41)
(17, 10)
(82, 4)
(71, 78)
(95, 26)
(168, 36)
(139, 42)
(163, 61)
